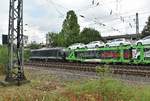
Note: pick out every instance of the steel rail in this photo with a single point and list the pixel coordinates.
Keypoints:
(91, 67)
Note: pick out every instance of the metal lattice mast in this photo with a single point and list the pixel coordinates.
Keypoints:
(15, 41)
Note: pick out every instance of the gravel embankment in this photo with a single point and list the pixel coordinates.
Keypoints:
(69, 75)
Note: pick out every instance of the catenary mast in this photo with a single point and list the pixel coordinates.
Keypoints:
(15, 42)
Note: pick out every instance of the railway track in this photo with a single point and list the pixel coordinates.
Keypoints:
(92, 67)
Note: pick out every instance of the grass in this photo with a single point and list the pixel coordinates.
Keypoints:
(45, 87)
(2, 69)
(41, 88)
(110, 90)
(3, 59)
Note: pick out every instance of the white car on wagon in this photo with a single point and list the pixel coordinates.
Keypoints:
(118, 42)
(95, 44)
(144, 41)
(76, 46)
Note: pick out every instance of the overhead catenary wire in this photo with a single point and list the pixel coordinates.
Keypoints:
(118, 17)
(101, 24)
(121, 14)
(123, 17)
(56, 9)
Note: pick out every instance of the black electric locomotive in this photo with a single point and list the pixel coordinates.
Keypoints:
(48, 54)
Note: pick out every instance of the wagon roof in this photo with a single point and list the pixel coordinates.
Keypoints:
(56, 48)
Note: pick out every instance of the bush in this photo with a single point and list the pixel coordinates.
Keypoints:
(3, 55)
(27, 54)
(3, 58)
(2, 69)
(103, 70)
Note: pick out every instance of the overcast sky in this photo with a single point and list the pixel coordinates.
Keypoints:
(110, 17)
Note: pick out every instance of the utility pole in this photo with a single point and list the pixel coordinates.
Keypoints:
(137, 26)
(47, 40)
(137, 23)
(15, 42)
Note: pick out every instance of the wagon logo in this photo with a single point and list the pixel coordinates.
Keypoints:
(110, 55)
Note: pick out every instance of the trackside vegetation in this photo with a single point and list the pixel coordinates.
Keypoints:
(27, 54)
(3, 58)
(46, 87)
(108, 90)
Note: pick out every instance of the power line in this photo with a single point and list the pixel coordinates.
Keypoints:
(120, 17)
(59, 5)
(129, 24)
(123, 19)
(127, 16)
(54, 5)
(121, 14)
(101, 24)
(86, 9)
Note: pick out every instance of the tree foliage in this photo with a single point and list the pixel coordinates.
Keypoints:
(146, 30)
(56, 39)
(53, 39)
(27, 54)
(70, 33)
(70, 29)
(88, 35)
(34, 46)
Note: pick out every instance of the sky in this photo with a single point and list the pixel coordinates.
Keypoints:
(110, 17)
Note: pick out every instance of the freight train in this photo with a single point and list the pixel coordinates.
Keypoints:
(121, 54)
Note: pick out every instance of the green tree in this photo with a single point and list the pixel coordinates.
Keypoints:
(34, 45)
(56, 39)
(69, 33)
(53, 38)
(146, 30)
(89, 34)
(70, 29)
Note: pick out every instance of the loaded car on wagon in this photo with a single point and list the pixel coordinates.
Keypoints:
(118, 42)
(95, 44)
(144, 41)
(76, 46)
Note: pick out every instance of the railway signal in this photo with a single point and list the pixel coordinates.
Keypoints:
(4, 39)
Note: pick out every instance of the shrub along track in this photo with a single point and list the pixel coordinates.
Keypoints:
(122, 69)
